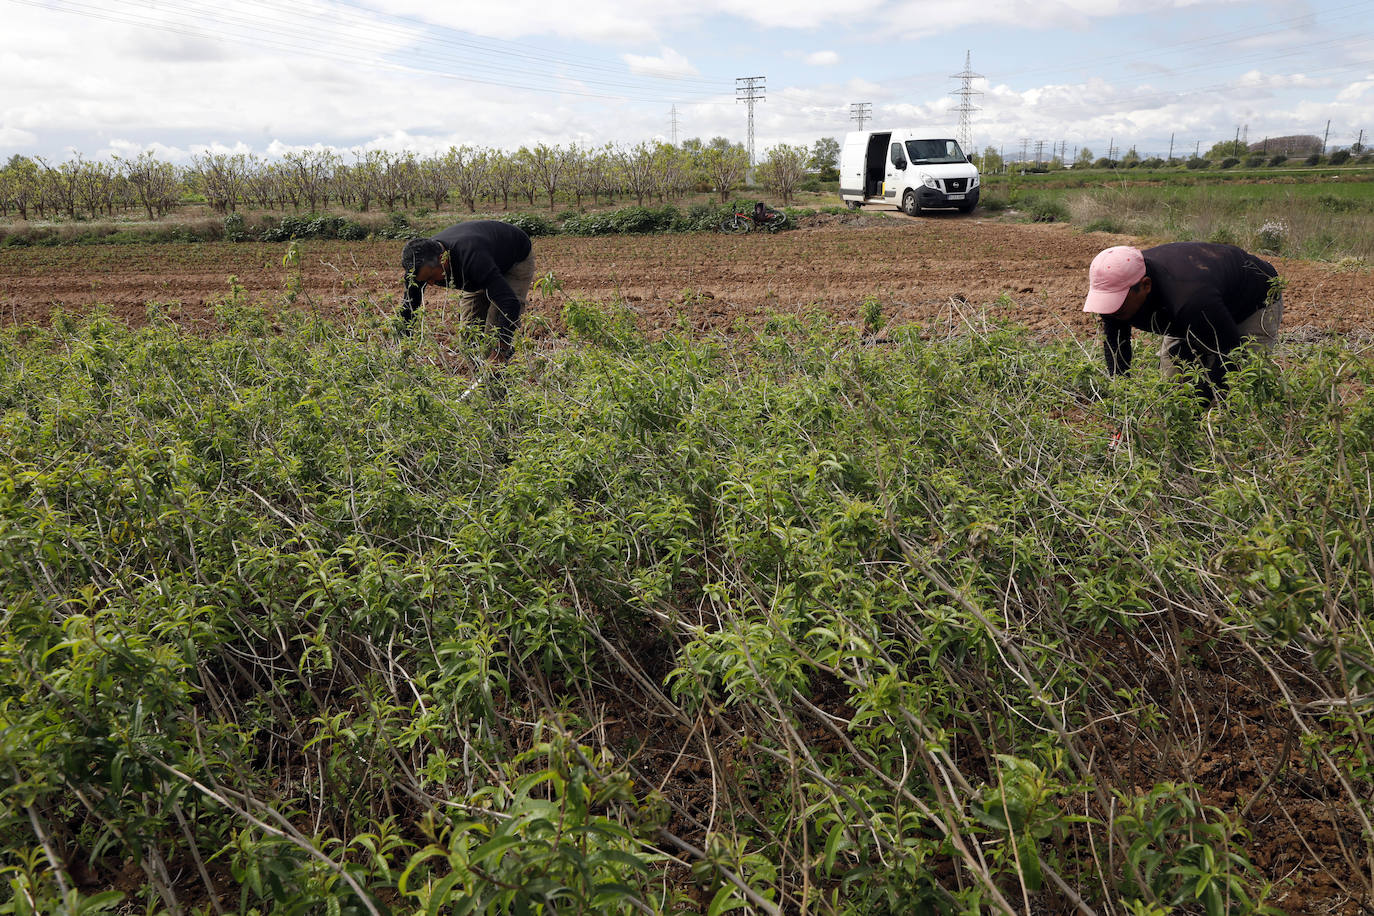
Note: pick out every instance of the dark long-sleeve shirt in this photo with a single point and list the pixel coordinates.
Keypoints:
(480, 253)
(1199, 293)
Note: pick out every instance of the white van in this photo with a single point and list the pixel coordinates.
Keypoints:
(913, 169)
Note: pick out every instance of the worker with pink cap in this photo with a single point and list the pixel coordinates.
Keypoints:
(1206, 299)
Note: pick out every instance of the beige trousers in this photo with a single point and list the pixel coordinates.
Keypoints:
(1260, 329)
(476, 307)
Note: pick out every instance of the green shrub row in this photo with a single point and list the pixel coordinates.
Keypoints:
(237, 228)
(306, 621)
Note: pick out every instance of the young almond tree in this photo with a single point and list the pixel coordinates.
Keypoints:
(221, 177)
(526, 178)
(637, 169)
(783, 169)
(550, 167)
(20, 185)
(471, 173)
(672, 170)
(725, 165)
(436, 178)
(580, 179)
(96, 187)
(310, 171)
(155, 182)
(59, 185)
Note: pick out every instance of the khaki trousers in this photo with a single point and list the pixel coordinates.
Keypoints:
(1260, 329)
(476, 307)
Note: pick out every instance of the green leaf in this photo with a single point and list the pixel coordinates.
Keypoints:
(837, 840)
(1029, 852)
(494, 847)
(725, 901)
(439, 897)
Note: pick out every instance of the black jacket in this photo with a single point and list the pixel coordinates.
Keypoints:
(1199, 293)
(480, 253)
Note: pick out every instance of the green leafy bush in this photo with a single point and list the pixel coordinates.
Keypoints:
(658, 624)
(312, 227)
(1045, 209)
(533, 224)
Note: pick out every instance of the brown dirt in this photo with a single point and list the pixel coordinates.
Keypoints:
(919, 269)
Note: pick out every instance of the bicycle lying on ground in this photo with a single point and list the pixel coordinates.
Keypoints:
(763, 217)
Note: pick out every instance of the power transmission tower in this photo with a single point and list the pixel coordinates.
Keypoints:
(966, 108)
(1025, 142)
(675, 125)
(750, 89)
(1039, 152)
(861, 112)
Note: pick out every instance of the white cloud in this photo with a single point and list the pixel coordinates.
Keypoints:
(12, 138)
(1356, 90)
(823, 58)
(668, 64)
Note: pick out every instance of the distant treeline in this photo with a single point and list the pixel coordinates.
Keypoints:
(312, 180)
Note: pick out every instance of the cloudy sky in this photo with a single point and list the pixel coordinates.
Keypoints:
(107, 77)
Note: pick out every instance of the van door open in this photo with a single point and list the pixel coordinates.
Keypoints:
(874, 163)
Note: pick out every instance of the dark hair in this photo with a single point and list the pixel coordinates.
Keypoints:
(419, 254)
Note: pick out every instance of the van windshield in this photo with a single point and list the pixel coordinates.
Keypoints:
(936, 152)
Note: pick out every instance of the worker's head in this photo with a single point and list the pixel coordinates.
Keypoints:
(423, 262)
(1117, 284)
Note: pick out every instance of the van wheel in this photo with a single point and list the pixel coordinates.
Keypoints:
(853, 205)
(910, 205)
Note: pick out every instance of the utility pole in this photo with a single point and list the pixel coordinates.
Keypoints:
(1171, 148)
(674, 125)
(1039, 152)
(1359, 143)
(1325, 135)
(1025, 144)
(966, 107)
(750, 89)
(861, 112)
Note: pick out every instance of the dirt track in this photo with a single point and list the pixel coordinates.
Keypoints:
(916, 267)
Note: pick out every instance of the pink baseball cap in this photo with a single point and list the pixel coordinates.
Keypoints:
(1113, 272)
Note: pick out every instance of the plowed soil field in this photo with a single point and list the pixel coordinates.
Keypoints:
(919, 268)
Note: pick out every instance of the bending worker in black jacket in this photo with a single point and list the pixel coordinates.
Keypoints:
(1204, 298)
(490, 261)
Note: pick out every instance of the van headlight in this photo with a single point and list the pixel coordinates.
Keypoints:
(974, 182)
(929, 182)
